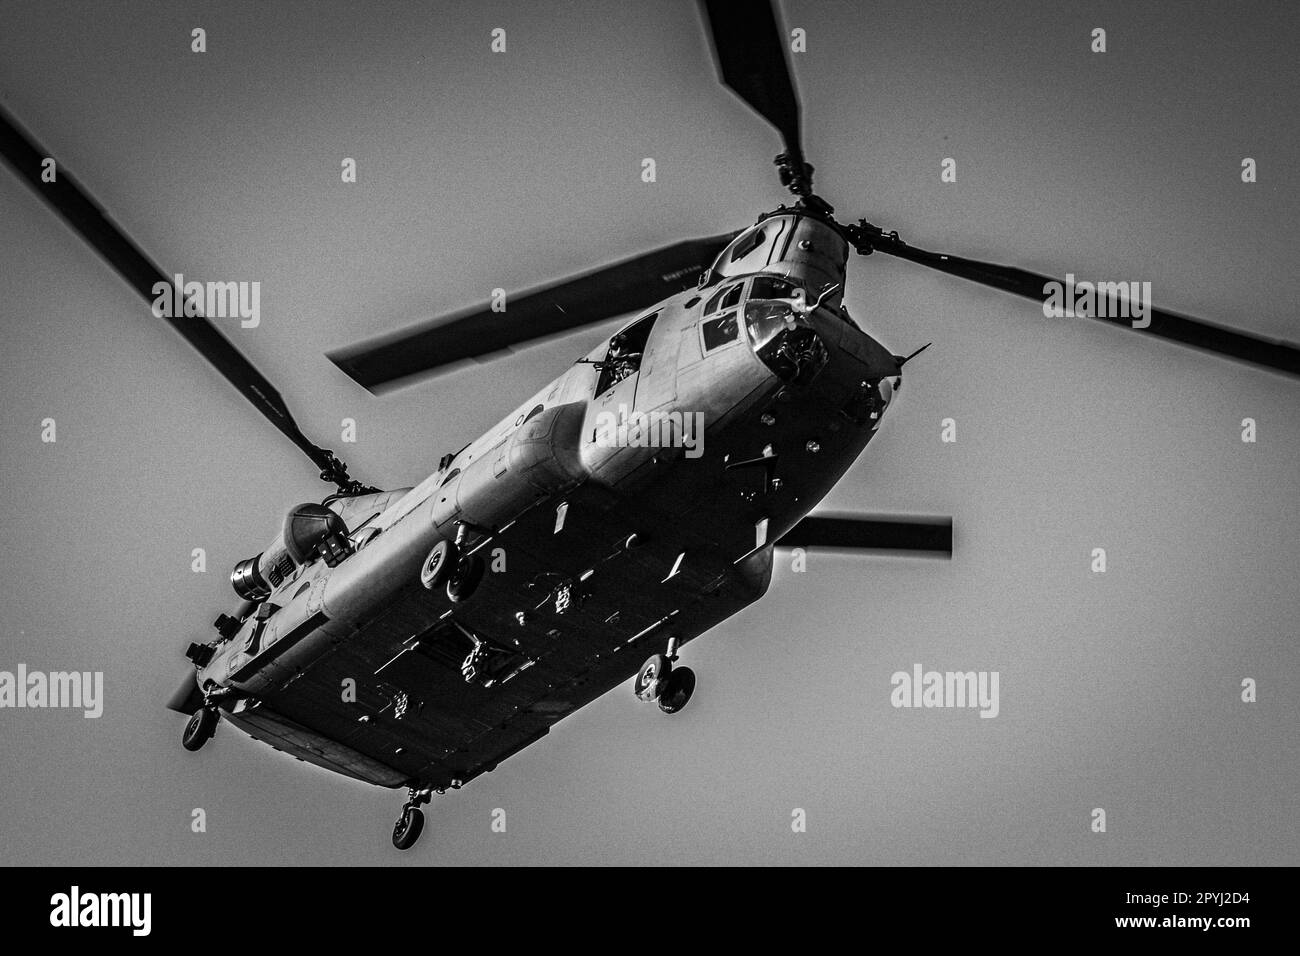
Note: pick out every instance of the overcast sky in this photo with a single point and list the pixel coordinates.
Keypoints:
(1118, 690)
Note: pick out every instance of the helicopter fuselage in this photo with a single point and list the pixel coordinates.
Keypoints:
(634, 499)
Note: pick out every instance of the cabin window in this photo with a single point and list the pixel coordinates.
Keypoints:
(454, 472)
(625, 352)
(720, 331)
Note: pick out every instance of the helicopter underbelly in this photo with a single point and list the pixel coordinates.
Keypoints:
(593, 608)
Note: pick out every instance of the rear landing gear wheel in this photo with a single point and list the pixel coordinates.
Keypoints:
(408, 828)
(464, 581)
(202, 725)
(677, 690)
(651, 678)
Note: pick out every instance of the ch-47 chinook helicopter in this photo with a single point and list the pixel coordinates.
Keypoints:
(616, 552)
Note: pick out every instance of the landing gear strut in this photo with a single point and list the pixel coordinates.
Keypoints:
(410, 824)
(659, 680)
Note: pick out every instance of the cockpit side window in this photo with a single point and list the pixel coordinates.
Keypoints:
(712, 305)
(718, 332)
(725, 298)
(725, 329)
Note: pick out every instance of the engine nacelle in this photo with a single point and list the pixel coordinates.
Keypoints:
(310, 530)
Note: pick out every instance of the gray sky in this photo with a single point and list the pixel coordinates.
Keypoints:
(478, 170)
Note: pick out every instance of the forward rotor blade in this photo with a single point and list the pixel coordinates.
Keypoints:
(749, 47)
(75, 207)
(888, 533)
(627, 286)
(1243, 347)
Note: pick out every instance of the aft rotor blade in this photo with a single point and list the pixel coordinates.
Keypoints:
(930, 536)
(627, 286)
(1255, 350)
(749, 47)
(75, 207)
(187, 698)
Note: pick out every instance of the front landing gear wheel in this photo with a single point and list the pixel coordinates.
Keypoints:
(464, 580)
(677, 690)
(437, 566)
(408, 828)
(650, 679)
(200, 728)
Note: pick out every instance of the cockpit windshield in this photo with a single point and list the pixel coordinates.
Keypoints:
(766, 319)
(773, 287)
(784, 339)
